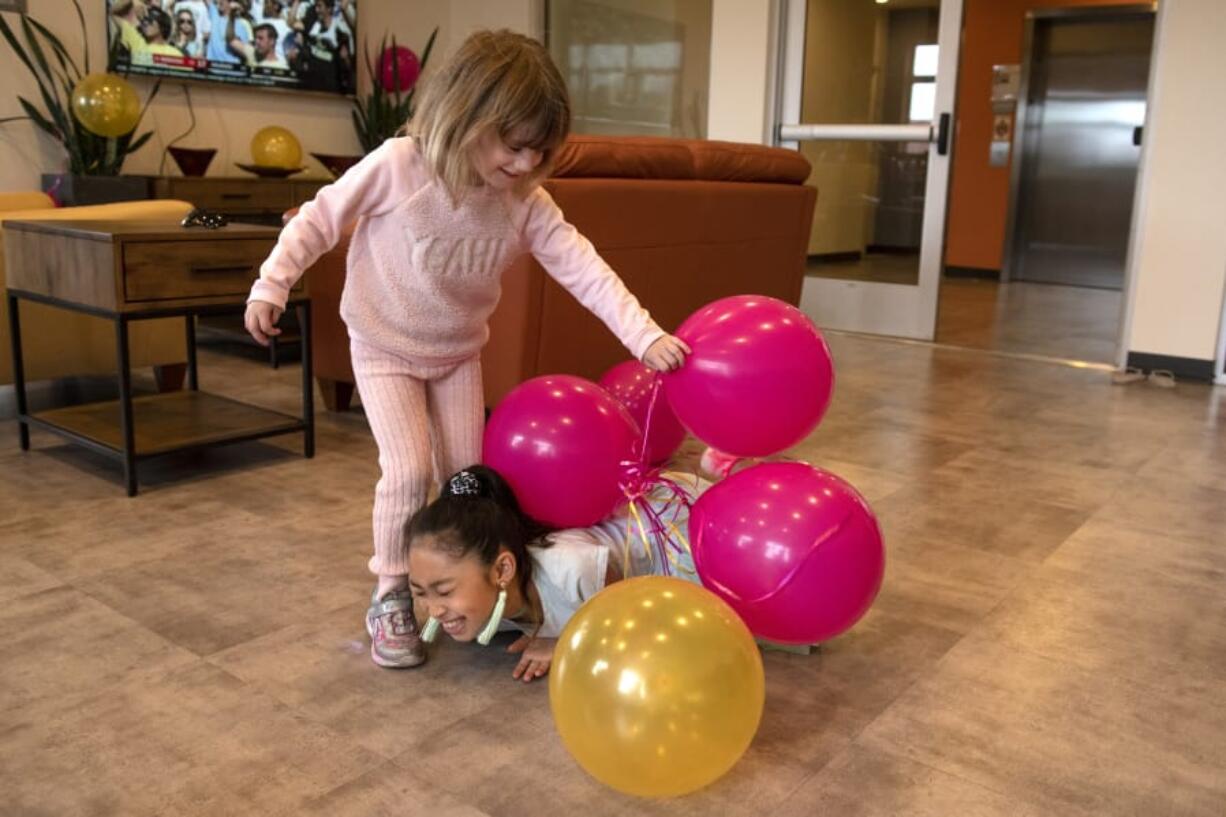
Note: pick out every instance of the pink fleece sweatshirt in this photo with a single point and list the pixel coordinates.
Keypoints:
(424, 275)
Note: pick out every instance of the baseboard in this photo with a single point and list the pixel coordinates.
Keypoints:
(981, 273)
(1186, 368)
(835, 257)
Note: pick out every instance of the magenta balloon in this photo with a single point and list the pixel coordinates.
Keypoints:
(795, 550)
(398, 63)
(631, 383)
(560, 442)
(759, 380)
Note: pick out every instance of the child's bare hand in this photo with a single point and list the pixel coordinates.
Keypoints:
(666, 354)
(536, 658)
(261, 321)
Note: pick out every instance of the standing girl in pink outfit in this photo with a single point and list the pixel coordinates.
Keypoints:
(441, 213)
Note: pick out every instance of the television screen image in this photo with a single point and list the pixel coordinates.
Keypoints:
(299, 44)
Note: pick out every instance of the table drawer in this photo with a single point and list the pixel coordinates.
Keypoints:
(185, 270)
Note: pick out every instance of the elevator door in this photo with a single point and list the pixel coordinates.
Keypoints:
(1081, 130)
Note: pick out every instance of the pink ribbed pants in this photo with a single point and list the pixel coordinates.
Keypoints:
(424, 418)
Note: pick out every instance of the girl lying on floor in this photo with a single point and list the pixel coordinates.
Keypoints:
(477, 563)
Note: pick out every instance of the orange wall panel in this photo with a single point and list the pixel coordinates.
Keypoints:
(992, 32)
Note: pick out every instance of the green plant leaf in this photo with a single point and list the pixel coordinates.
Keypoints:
(425, 54)
(61, 53)
(84, 33)
(36, 49)
(36, 115)
(139, 143)
(16, 46)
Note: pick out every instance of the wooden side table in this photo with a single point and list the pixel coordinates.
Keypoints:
(125, 271)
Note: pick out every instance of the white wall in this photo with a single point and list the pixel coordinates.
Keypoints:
(1179, 251)
(742, 55)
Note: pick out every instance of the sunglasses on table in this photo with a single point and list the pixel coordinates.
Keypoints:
(203, 218)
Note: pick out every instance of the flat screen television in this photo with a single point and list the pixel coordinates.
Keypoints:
(296, 44)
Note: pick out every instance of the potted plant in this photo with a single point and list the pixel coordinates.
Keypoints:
(94, 161)
(393, 82)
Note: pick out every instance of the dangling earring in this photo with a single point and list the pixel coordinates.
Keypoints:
(495, 618)
(429, 631)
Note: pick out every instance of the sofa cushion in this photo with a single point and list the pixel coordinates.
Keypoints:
(652, 157)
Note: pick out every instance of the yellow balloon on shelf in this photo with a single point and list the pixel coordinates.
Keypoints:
(274, 146)
(106, 104)
(656, 687)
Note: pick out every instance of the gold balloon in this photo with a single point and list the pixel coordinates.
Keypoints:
(106, 104)
(274, 146)
(656, 687)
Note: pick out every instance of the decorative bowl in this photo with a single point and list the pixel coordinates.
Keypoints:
(192, 161)
(336, 165)
(270, 172)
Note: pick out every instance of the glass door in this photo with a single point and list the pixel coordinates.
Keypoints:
(866, 92)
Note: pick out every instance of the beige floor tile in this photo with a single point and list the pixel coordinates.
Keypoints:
(194, 741)
(385, 790)
(61, 642)
(1107, 548)
(1068, 485)
(944, 585)
(105, 535)
(1156, 631)
(1169, 507)
(865, 782)
(873, 484)
(987, 517)
(1079, 442)
(225, 592)
(1039, 730)
(21, 578)
(523, 768)
(1198, 459)
(322, 669)
(1046, 640)
(895, 450)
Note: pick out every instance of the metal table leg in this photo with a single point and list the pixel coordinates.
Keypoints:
(19, 373)
(125, 404)
(193, 377)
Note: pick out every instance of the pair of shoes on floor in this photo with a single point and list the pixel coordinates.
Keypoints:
(394, 640)
(1162, 378)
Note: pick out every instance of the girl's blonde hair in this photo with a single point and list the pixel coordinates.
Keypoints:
(499, 82)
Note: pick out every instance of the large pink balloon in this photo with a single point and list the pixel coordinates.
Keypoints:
(759, 380)
(795, 550)
(560, 441)
(631, 383)
(398, 63)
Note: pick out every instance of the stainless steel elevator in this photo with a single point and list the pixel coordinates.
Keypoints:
(1080, 128)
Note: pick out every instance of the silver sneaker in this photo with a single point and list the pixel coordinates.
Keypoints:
(394, 641)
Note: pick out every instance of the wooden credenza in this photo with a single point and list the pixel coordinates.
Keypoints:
(249, 198)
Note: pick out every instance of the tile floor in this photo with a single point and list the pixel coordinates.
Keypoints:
(1021, 317)
(1050, 638)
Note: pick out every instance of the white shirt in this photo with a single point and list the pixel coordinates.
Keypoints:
(573, 568)
(329, 35)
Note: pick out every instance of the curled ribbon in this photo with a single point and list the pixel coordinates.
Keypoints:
(656, 528)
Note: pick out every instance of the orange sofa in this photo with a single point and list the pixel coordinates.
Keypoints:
(683, 222)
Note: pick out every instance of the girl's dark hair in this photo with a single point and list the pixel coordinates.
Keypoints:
(477, 513)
